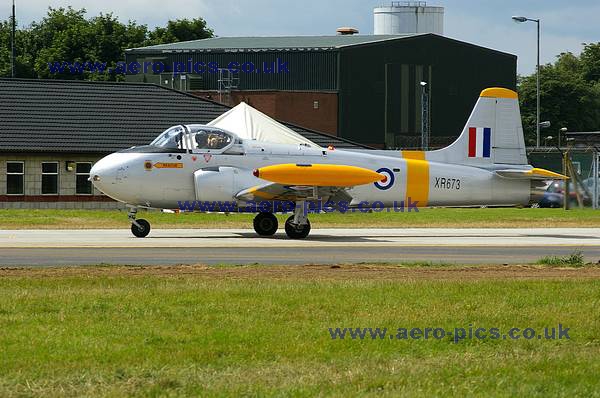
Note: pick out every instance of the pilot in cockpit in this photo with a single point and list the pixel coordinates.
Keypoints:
(211, 140)
(216, 141)
(201, 140)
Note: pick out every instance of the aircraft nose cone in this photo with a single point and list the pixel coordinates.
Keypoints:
(102, 173)
(94, 174)
(112, 176)
(107, 174)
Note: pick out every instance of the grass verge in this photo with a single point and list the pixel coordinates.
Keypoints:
(263, 331)
(575, 259)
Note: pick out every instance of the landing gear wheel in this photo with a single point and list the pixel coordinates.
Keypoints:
(143, 231)
(265, 224)
(296, 231)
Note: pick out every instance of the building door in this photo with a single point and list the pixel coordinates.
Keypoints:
(403, 106)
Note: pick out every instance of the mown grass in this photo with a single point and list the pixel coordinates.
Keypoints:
(426, 218)
(227, 334)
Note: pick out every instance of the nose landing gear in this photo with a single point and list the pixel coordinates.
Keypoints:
(140, 228)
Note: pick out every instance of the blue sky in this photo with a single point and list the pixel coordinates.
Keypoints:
(565, 24)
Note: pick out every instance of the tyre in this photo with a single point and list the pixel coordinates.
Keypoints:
(266, 224)
(143, 230)
(296, 231)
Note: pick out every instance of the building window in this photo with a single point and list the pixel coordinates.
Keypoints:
(82, 173)
(50, 178)
(14, 178)
(315, 104)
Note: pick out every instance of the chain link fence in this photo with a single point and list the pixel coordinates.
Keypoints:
(580, 164)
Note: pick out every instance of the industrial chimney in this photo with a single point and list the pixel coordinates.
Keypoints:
(346, 31)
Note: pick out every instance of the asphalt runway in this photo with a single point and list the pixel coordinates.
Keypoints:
(324, 246)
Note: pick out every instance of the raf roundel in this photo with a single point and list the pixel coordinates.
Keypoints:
(389, 180)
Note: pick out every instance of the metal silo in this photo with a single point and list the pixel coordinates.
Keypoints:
(406, 17)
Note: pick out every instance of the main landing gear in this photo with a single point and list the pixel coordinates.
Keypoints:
(295, 230)
(296, 226)
(140, 228)
(266, 224)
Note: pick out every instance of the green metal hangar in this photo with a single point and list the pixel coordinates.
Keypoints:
(365, 88)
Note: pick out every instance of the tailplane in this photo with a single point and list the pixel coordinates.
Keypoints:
(493, 133)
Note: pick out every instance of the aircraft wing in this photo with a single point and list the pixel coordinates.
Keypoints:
(531, 174)
(307, 181)
(274, 191)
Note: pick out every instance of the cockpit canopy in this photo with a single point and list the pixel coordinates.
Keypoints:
(195, 137)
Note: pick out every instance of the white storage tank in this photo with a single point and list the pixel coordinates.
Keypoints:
(406, 17)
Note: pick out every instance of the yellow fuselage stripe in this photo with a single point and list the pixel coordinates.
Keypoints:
(417, 177)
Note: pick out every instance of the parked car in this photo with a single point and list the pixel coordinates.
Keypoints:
(553, 197)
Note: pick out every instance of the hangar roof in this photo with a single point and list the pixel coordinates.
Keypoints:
(286, 43)
(278, 43)
(102, 117)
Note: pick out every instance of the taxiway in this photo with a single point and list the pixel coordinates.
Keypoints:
(324, 246)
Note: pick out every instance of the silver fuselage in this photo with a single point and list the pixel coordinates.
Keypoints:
(124, 177)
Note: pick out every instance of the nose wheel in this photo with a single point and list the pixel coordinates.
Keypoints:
(139, 228)
(142, 229)
(266, 224)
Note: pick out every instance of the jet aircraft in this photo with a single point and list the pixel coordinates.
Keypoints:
(486, 165)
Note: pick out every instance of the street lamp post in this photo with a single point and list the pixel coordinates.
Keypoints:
(562, 130)
(13, 51)
(537, 21)
(544, 125)
(424, 117)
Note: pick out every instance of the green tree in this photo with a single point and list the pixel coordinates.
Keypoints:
(111, 38)
(567, 98)
(65, 34)
(181, 30)
(590, 62)
(568, 63)
(23, 66)
(5, 48)
(62, 35)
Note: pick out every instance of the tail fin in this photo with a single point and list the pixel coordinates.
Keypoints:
(493, 134)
